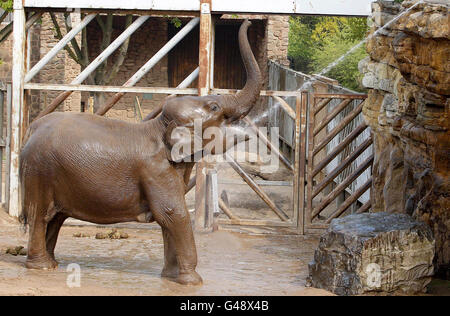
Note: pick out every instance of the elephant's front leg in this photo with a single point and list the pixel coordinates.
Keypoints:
(166, 200)
(170, 269)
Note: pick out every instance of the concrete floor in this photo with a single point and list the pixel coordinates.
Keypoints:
(230, 263)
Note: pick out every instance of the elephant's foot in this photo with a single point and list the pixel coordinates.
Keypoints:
(41, 263)
(170, 272)
(189, 278)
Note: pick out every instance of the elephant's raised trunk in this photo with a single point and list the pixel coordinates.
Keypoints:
(240, 104)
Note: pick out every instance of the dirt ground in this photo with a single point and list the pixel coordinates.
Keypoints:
(230, 263)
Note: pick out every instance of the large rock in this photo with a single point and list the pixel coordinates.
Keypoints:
(408, 76)
(374, 252)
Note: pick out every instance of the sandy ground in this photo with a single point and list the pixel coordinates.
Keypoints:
(230, 263)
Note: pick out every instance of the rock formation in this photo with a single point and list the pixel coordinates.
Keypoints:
(379, 252)
(408, 76)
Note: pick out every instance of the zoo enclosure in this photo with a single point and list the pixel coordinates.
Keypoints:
(199, 11)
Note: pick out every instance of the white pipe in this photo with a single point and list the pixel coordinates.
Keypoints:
(109, 50)
(61, 44)
(162, 52)
(189, 79)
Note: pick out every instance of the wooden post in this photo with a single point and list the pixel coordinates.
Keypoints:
(205, 48)
(211, 200)
(18, 73)
(204, 86)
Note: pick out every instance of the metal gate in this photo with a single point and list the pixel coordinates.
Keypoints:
(339, 159)
(286, 218)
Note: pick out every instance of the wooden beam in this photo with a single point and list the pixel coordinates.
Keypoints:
(301, 157)
(290, 7)
(350, 200)
(341, 106)
(344, 164)
(269, 145)
(342, 145)
(94, 88)
(332, 134)
(18, 73)
(285, 106)
(342, 186)
(205, 48)
(233, 163)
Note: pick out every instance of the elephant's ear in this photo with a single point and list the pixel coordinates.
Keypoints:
(178, 141)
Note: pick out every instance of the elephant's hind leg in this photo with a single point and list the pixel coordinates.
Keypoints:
(53, 228)
(36, 206)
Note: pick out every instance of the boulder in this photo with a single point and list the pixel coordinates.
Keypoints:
(374, 252)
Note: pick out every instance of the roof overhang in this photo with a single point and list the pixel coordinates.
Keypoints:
(290, 7)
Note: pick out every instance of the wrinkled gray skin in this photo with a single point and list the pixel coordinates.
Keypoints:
(107, 171)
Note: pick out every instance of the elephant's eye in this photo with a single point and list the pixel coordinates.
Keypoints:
(214, 107)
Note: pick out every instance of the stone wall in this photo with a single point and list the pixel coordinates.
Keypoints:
(6, 58)
(278, 39)
(408, 76)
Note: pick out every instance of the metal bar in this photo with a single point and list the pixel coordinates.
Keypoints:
(149, 65)
(94, 88)
(235, 165)
(351, 200)
(269, 144)
(341, 106)
(251, 222)
(344, 164)
(340, 96)
(259, 182)
(341, 187)
(184, 84)
(338, 128)
(61, 44)
(96, 63)
(345, 142)
(302, 163)
(285, 107)
(18, 73)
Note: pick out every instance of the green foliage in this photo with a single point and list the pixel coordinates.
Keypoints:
(174, 20)
(316, 42)
(6, 5)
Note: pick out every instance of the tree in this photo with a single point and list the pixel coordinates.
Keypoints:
(316, 42)
(107, 71)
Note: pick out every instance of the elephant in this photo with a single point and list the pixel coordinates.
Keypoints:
(108, 171)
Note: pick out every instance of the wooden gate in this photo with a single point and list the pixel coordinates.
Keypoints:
(339, 159)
